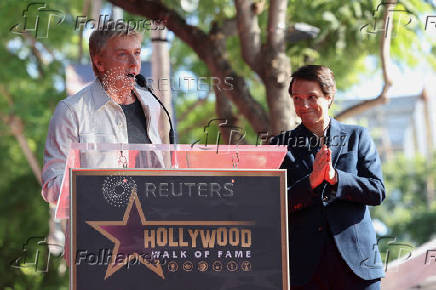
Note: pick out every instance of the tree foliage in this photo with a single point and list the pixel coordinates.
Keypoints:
(31, 84)
(349, 32)
(406, 211)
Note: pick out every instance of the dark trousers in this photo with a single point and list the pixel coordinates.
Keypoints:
(333, 273)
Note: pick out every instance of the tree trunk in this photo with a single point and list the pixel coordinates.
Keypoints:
(231, 133)
(278, 70)
(205, 45)
(281, 107)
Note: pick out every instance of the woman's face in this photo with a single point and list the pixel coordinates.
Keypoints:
(311, 104)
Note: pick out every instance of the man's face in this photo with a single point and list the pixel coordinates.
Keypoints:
(118, 62)
(311, 104)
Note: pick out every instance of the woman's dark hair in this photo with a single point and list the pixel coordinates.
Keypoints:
(318, 73)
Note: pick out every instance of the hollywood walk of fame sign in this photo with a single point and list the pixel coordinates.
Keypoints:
(178, 229)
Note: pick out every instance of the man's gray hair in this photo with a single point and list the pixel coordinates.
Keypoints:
(100, 36)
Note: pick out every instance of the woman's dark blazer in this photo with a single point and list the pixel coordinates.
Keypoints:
(340, 211)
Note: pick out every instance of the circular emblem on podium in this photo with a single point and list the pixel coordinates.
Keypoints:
(217, 266)
(188, 266)
(117, 190)
(173, 266)
(232, 266)
(246, 266)
(202, 266)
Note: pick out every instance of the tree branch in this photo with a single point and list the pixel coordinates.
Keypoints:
(33, 40)
(385, 46)
(277, 24)
(187, 130)
(36, 53)
(249, 34)
(16, 127)
(191, 108)
(223, 106)
(223, 109)
(206, 48)
(157, 11)
(229, 27)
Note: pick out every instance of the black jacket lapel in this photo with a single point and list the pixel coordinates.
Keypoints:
(336, 140)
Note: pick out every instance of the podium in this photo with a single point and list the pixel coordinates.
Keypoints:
(176, 217)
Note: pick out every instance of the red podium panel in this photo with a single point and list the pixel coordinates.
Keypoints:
(115, 156)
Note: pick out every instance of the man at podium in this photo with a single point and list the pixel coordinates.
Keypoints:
(334, 174)
(109, 110)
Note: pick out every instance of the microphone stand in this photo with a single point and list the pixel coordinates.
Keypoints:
(140, 80)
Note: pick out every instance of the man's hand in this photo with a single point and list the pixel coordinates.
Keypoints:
(323, 168)
(319, 167)
(330, 174)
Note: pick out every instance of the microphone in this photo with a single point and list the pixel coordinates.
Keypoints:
(140, 80)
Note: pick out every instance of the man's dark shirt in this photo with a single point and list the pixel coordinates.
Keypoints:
(136, 123)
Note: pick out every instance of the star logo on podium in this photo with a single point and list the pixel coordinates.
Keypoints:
(128, 237)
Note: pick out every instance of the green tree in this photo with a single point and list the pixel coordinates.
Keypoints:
(31, 84)
(405, 210)
(253, 42)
